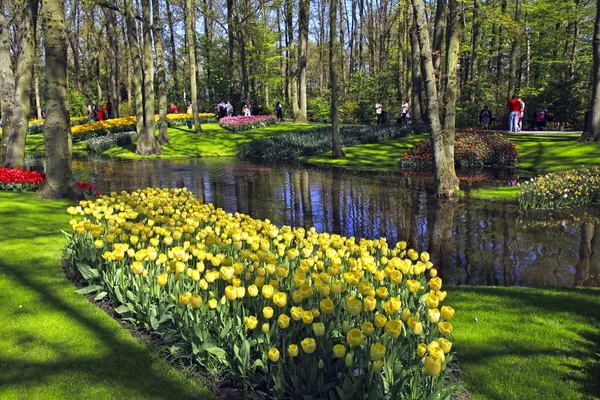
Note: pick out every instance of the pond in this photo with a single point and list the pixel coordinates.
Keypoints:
(471, 243)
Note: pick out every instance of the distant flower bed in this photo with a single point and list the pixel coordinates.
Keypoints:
(243, 123)
(100, 144)
(36, 126)
(290, 146)
(23, 180)
(181, 119)
(472, 149)
(20, 180)
(577, 187)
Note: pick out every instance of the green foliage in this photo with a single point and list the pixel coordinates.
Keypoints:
(77, 103)
(103, 143)
(319, 109)
(293, 145)
(572, 188)
(126, 109)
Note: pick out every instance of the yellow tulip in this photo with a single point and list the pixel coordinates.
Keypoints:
(412, 285)
(293, 350)
(447, 313)
(137, 267)
(354, 306)
(433, 365)
(432, 301)
(368, 328)
(266, 327)
(326, 306)
(339, 351)
(296, 313)
(240, 291)
(196, 301)
(421, 349)
(230, 293)
(393, 328)
(338, 287)
(307, 317)
(268, 291)
(268, 312)
(252, 291)
(283, 321)
(355, 337)
(297, 297)
(98, 244)
(441, 294)
(433, 272)
(162, 279)
(212, 304)
(437, 352)
(309, 345)
(378, 366)
(251, 322)
(280, 299)
(348, 360)
(185, 298)
(319, 329)
(445, 328)
(406, 314)
(433, 315)
(445, 345)
(417, 328)
(435, 283)
(273, 354)
(370, 303)
(380, 320)
(377, 351)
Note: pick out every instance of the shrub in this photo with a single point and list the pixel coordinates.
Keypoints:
(577, 187)
(318, 109)
(242, 123)
(290, 146)
(300, 313)
(472, 149)
(100, 144)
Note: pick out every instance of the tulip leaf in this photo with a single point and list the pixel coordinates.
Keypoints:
(259, 363)
(218, 352)
(89, 289)
(153, 322)
(88, 273)
(100, 296)
(122, 309)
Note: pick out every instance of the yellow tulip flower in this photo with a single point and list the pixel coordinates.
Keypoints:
(266, 327)
(283, 321)
(196, 301)
(377, 351)
(339, 351)
(393, 328)
(412, 285)
(212, 304)
(445, 345)
(267, 312)
(293, 350)
(380, 320)
(251, 322)
(447, 313)
(435, 283)
(296, 313)
(326, 306)
(378, 366)
(421, 349)
(162, 279)
(185, 298)
(309, 345)
(433, 365)
(267, 291)
(252, 291)
(307, 317)
(368, 328)
(280, 299)
(355, 337)
(445, 328)
(230, 293)
(432, 301)
(433, 315)
(273, 354)
(354, 306)
(318, 329)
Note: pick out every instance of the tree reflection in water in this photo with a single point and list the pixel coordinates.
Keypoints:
(472, 242)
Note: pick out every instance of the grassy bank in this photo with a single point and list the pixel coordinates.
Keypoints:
(54, 344)
(512, 343)
(538, 153)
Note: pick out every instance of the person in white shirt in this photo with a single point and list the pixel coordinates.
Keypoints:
(379, 112)
(522, 113)
(405, 110)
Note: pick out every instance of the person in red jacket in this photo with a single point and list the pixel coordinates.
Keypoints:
(514, 109)
(174, 109)
(100, 113)
(108, 109)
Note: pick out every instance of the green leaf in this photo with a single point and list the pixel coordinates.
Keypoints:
(100, 296)
(259, 363)
(87, 272)
(218, 352)
(122, 309)
(89, 289)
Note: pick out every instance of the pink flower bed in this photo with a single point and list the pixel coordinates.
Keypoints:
(243, 123)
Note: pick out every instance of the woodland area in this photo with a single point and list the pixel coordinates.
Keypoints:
(278, 50)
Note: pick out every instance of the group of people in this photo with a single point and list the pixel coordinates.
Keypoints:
(96, 112)
(516, 109)
(516, 113)
(381, 117)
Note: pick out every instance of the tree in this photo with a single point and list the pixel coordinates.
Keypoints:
(336, 139)
(163, 136)
(190, 29)
(592, 128)
(59, 182)
(446, 182)
(303, 16)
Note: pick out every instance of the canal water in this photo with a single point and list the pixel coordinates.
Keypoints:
(473, 242)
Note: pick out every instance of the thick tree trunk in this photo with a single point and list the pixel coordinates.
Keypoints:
(163, 136)
(59, 182)
(446, 182)
(15, 149)
(303, 16)
(138, 79)
(438, 37)
(336, 139)
(475, 40)
(417, 77)
(190, 27)
(593, 124)
(231, 36)
(36, 91)
(173, 50)
(113, 60)
(452, 57)
(512, 77)
(7, 87)
(293, 62)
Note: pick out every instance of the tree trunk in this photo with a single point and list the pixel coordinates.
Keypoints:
(336, 139)
(174, 69)
(138, 79)
(190, 27)
(438, 37)
(512, 77)
(36, 90)
(454, 32)
(446, 182)
(231, 36)
(113, 60)
(593, 124)
(417, 77)
(59, 182)
(15, 149)
(303, 16)
(7, 87)
(528, 58)
(163, 136)
(474, 40)
(293, 62)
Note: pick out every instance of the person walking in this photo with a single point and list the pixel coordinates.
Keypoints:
(229, 109)
(279, 111)
(189, 109)
(522, 113)
(246, 108)
(379, 112)
(514, 109)
(405, 110)
(108, 109)
(485, 117)
(100, 113)
(174, 109)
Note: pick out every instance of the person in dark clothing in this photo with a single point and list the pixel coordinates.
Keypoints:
(485, 117)
(279, 111)
(108, 109)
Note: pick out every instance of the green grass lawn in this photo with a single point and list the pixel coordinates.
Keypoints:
(54, 344)
(35, 144)
(213, 142)
(511, 343)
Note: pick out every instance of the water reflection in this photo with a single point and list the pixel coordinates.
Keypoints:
(471, 242)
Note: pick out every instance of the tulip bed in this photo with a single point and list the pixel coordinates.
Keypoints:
(283, 310)
(578, 187)
(181, 119)
(472, 149)
(100, 144)
(242, 123)
(23, 180)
